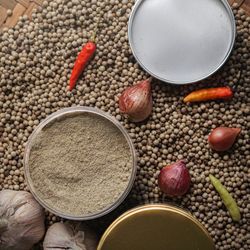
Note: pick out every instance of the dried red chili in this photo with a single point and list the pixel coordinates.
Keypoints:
(82, 59)
(209, 94)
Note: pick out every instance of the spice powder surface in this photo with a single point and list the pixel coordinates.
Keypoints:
(80, 164)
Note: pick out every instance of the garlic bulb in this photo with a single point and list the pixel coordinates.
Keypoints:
(21, 220)
(73, 236)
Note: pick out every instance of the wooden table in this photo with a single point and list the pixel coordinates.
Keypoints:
(244, 4)
(18, 8)
(26, 7)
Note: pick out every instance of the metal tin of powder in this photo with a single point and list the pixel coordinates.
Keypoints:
(56, 169)
(181, 42)
(156, 227)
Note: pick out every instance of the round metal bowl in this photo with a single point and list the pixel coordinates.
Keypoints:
(69, 112)
(156, 227)
(181, 42)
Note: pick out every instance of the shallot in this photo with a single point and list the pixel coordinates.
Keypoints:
(174, 180)
(223, 138)
(136, 101)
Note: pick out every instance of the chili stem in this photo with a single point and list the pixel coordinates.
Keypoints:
(93, 37)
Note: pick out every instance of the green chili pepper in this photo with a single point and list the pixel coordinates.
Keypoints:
(227, 198)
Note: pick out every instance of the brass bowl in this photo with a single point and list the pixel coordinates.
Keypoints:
(156, 227)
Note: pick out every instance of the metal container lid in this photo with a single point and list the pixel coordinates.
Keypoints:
(156, 227)
(180, 41)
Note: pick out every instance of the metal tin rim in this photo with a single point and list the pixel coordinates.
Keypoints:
(233, 26)
(164, 207)
(58, 114)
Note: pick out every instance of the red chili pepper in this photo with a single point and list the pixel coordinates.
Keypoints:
(82, 60)
(209, 94)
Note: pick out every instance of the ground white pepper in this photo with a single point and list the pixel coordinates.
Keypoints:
(80, 164)
(28, 94)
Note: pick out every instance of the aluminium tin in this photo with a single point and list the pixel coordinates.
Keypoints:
(156, 227)
(181, 42)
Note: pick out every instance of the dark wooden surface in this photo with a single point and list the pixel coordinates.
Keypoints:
(18, 8)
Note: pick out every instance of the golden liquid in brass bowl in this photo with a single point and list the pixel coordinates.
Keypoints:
(156, 227)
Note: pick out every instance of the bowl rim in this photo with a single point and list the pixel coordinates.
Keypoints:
(183, 82)
(74, 110)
